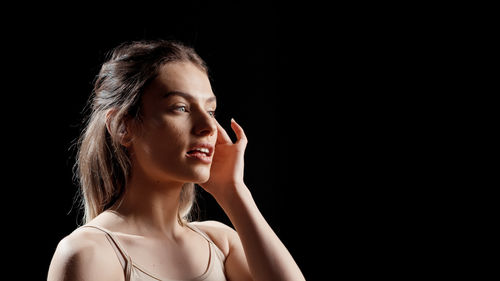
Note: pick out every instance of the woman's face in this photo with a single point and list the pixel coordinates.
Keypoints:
(176, 138)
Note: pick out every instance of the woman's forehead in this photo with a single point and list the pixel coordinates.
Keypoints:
(183, 77)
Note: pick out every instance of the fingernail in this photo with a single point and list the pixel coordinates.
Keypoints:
(232, 120)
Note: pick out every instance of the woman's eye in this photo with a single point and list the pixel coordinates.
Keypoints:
(211, 113)
(180, 108)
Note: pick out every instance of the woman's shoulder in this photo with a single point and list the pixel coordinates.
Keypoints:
(221, 234)
(84, 253)
(82, 240)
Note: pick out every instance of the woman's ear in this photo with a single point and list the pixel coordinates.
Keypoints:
(122, 128)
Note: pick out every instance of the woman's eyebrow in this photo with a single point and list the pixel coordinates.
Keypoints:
(186, 96)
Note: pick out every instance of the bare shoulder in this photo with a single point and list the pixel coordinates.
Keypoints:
(85, 254)
(223, 235)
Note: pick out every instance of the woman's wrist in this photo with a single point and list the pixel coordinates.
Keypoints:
(232, 195)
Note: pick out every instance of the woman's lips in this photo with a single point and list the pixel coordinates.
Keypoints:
(202, 152)
(200, 156)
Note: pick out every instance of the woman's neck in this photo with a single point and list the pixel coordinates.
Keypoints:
(149, 207)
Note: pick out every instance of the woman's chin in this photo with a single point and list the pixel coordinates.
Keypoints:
(200, 180)
(200, 176)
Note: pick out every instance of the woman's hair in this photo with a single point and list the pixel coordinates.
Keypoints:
(102, 163)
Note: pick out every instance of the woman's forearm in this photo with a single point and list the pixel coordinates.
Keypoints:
(266, 255)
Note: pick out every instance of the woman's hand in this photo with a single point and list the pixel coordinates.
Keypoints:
(228, 161)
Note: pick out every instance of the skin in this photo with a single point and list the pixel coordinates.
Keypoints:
(146, 220)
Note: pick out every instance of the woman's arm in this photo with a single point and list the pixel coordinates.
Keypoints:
(267, 257)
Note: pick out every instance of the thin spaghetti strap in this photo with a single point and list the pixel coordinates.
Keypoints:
(199, 231)
(124, 259)
(218, 251)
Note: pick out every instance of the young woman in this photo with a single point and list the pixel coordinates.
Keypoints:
(150, 136)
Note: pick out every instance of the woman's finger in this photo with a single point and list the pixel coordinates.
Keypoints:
(222, 136)
(240, 134)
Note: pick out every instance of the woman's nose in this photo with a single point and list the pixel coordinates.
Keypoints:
(205, 125)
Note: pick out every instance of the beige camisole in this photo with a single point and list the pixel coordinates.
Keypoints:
(134, 272)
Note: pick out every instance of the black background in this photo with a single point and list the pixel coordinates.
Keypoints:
(258, 62)
(312, 87)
